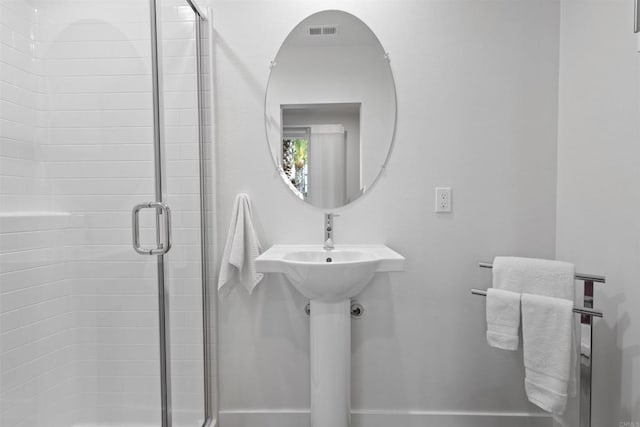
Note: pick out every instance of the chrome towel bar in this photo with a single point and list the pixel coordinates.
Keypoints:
(579, 310)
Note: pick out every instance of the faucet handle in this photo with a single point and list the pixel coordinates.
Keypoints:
(328, 220)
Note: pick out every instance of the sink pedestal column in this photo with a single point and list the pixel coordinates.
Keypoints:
(330, 363)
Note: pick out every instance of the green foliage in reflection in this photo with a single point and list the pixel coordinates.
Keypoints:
(301, 148)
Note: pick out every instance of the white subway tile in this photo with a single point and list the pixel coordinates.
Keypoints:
(17, 131)
(22, 279)
(17, 357)
(33, 295)
(99, 84)
(35, 313)
(102, 101)
(98, 136)
(85, 48)
(140, 169)
(94, 319)
(115, 352)
(38, 368)
(21, 337)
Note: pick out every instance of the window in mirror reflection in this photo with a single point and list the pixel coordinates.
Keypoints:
(321, 151)
(295, 158)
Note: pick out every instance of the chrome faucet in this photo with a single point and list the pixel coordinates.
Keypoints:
(328, 230)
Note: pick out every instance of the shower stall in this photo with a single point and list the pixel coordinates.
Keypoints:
(105, 194)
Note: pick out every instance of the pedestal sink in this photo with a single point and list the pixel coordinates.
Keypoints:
(330, 279)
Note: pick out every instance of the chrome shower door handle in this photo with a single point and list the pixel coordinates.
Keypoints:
(636, 19)
(164, 242)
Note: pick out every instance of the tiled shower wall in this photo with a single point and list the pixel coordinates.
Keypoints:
(37, 323)
(84, 77)
(21, 184)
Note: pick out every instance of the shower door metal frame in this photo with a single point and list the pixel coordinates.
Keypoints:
(163, 292)
(202, 34)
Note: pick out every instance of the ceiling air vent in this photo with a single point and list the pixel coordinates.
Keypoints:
(329, 31)
(323, 30)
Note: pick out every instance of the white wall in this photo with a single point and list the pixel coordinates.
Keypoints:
(477, 93)
(598, 199)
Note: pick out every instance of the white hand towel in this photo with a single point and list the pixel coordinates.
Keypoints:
(534, 276)
(547, 336)
(240, 250)
(503, 319)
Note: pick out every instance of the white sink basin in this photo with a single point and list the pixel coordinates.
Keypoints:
(333, 275)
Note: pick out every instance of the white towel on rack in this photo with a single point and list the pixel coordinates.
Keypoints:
(516, 274)
(240, 250)
(541, 277)
(547, 341)
(503, 319)
(534, 276)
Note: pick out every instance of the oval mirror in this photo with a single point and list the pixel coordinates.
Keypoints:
(330, 109)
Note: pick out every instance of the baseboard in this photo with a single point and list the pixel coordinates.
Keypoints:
(366, 418)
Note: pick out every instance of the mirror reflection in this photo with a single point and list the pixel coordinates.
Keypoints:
(330, 109)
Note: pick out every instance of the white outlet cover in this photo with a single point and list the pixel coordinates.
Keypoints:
(443, 199)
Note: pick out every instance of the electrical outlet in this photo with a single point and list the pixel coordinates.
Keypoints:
(443, 199)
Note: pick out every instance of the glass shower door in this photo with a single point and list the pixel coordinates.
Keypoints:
(96, 146)
(180, 212)
(91, 332)
(185, 191)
